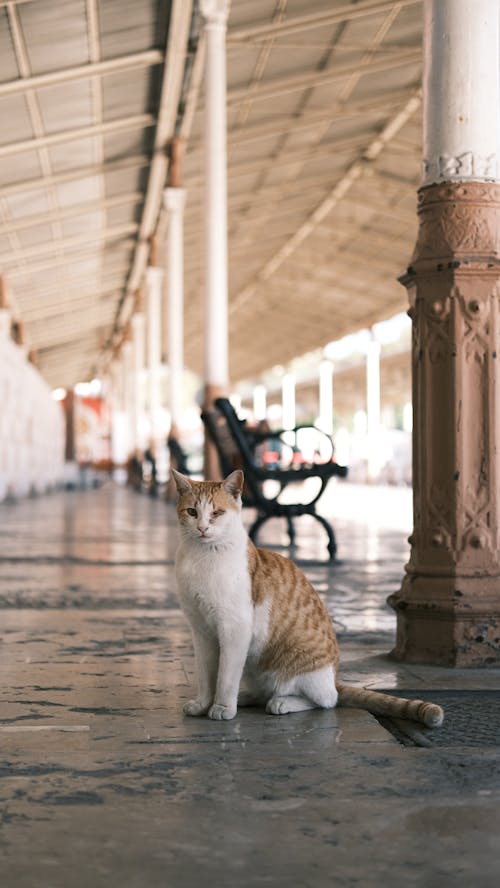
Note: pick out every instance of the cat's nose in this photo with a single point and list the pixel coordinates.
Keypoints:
(202, 528)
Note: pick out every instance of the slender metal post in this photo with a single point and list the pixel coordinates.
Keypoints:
(259, 403)
(373, 408)
(174, 201)
(216, 361)
(325, 419)
(127, 389)
(138, 325)
(154, 279)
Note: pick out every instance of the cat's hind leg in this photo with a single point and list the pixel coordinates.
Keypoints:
(312, 690)
(282, 705)
(319, 686)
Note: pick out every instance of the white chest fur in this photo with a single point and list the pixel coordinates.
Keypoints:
(214, 587)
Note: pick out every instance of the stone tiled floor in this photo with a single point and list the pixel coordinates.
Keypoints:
(104, 783)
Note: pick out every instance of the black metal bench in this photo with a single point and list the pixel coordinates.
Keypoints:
(236, 448)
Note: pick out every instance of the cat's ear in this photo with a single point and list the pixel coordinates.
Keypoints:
(181, 482)
(234, 483)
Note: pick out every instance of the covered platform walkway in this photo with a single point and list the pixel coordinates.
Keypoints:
(195, 195)
(104, 782)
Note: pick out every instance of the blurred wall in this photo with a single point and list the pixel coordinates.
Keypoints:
(31, 426)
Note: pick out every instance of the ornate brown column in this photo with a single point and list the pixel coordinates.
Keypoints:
(448, 609)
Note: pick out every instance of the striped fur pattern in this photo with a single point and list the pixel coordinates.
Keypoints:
(261, 632)
(393, 707)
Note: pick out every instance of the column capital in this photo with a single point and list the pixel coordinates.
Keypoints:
(174, 199)
(215, 12)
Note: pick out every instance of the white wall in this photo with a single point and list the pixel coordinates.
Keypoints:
(32, 427)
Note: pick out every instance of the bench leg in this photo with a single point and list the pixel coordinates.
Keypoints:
(332, 543)
(291, 530)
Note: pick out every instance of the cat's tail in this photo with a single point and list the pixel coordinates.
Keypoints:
(394, 707)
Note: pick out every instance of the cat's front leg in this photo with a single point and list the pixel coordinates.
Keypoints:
(206, 657)
(232, 656)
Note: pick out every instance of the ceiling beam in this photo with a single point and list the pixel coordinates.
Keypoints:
(340, 260)
(281, 123)
(271, 195)
(59, 335)
(293, 24)
(175, 60)
(82, 253)
(89, 206)
(137, 121)
(241, 244)
(60, 354)
(61, 366)
(89, 284)
(32, 105)
(299, 82)
(26, 185)
(81, 318)
(337, 193)
(76, 300)
(100, 234)
(368, 225)
(286, 158)
(64, 75)
(67, 275)
(340, 279)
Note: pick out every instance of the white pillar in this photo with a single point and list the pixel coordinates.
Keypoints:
(154, 278)
(259, 403)
(112, 385)
(215, 13)
(373, 408)
(174, 201)
(127, 389)
(118, 424)
(288, 400)
(325, 419)
(461, 87)
(137, 377)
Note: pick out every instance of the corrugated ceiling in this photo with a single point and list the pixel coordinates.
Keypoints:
(324, 159)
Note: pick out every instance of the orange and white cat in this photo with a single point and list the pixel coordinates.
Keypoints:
(256, 621)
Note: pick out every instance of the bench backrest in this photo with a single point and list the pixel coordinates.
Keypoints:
(226, 432)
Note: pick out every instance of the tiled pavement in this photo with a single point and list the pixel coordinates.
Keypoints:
(105, 783)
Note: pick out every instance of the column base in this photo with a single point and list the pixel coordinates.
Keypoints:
(211, 467)
(448, 621)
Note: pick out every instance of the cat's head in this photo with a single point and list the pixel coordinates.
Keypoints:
(208, 511)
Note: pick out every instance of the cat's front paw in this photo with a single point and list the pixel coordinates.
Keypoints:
(219, 711)
(195, 707)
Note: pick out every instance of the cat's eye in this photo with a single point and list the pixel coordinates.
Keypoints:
(218, 512)
(192, 512)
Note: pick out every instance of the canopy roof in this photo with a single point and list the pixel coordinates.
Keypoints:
(323, 144)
